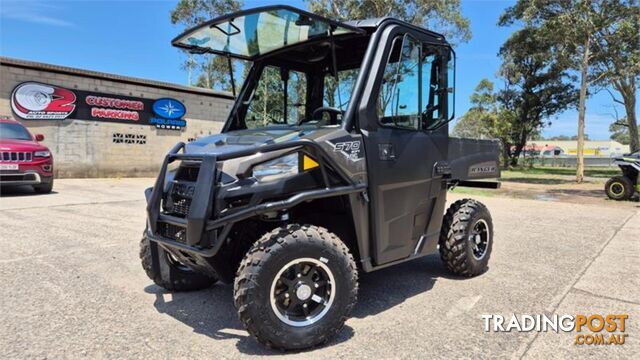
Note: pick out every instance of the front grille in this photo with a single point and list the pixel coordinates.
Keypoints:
(172, 232)
(181, 207)
(179, 198)
(15, 156)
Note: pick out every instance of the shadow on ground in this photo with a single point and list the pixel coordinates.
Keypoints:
(22, 190)
(599, 194)
(211, 312)
(533, 180)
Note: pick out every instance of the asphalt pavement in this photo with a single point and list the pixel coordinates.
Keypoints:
(73, 286)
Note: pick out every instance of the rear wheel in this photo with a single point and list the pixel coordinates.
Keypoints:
(296, 287)
(466, 238)
(619, 188)
(166, 271)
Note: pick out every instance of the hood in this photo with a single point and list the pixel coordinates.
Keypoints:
(244, 139)
(20, 145)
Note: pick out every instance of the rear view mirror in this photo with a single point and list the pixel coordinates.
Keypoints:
(39, 137)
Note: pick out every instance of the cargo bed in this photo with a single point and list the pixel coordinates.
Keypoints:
(473, 159)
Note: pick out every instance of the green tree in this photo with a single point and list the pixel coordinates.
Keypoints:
(537, 86)
(616, 61)
(441, 16)
(599, 38)
(619, 130)
(479, 121)
(211, 71)
(488, 118)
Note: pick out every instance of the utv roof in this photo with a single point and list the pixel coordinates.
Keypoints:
(253, 33)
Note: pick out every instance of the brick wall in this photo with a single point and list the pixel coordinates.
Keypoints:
(86, 148)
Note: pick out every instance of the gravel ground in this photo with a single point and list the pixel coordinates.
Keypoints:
(73, 286)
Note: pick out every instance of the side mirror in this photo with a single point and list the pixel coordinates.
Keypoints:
(39, 137)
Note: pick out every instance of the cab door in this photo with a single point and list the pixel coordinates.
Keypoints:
(406, 197)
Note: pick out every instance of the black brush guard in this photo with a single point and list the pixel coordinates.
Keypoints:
(201, 221)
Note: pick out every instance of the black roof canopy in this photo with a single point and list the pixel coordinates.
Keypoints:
(252, 33)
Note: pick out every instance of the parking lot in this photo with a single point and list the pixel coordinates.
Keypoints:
(73, 285)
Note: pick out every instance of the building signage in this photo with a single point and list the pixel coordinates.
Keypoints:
(36, 101)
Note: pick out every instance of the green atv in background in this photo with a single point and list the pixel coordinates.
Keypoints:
(625, 186)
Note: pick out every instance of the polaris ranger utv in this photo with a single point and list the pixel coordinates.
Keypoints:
(623, 187)
(335, 159)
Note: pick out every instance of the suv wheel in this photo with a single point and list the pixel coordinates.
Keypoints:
(43, 188)
(170, 273)
(296, 287)
(619, 188)
(466, 238)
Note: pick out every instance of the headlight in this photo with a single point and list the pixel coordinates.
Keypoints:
(277, 168)
(41, 154)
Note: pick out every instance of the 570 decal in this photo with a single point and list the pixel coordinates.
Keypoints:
(350, 148)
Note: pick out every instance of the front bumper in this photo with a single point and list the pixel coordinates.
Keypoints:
(34, 172)
(203, 230)
(24, 178)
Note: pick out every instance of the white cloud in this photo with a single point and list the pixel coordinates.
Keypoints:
(36, 12)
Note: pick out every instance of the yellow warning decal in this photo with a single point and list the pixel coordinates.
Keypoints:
(308, 163)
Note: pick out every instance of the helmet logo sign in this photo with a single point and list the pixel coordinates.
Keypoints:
(36, 101)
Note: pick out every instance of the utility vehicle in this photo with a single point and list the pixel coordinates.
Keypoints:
(623, 187)
(335, 159)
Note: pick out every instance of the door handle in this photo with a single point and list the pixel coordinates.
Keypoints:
(386, 152)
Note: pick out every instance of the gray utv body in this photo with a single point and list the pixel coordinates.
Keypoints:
(381, 189)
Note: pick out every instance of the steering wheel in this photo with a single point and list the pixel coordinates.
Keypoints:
(332, 111)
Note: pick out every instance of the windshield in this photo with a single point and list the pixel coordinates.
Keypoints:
(258, 31)
(280, 97)
(13, 131)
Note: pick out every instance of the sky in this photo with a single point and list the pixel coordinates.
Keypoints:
(133, 38)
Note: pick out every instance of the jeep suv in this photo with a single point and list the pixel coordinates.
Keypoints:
(23, 160)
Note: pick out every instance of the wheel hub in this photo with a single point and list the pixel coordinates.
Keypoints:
(479, 239)
(303, 292)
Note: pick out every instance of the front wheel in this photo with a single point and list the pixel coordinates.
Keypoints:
(296, 287)
(43, 188)
(167, 272)
(466, 238)
(619, 188)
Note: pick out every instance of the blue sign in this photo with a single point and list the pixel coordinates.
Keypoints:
(169, 108)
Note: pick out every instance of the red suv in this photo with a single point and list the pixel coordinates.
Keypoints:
(23, 161)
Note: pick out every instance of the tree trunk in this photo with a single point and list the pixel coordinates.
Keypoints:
(582, 110)
(505, 154)
(515, 155)
(630, 108)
